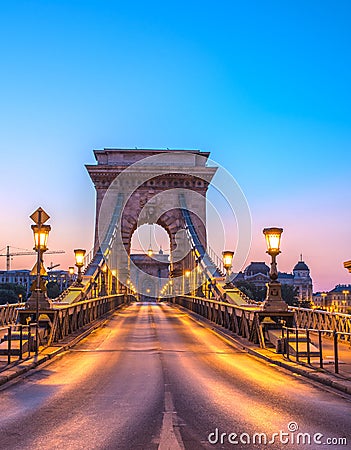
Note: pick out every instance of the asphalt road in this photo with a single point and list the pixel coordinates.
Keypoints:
(154, 378)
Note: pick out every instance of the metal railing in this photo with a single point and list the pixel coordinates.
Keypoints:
(324, 321)
(9, 313)
(72, 318)
(240, 320)
(19, 340)
(293, 335)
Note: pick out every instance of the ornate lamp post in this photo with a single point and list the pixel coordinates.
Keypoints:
(274, 301)
(71, 273)
(344, 302)
(347, 265)
(227, 263)
(79, 255)
(41, 234)
(186, 276)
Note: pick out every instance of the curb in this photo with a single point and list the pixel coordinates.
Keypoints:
(324, 377)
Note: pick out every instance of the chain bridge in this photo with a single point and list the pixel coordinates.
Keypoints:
(156, 351)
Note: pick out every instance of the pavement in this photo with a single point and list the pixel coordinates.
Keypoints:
(154, 378)
(17, 368)
(325, 376)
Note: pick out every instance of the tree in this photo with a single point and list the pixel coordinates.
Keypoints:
(53, 289)
(290, 294)
(254, 292)
(12, 293)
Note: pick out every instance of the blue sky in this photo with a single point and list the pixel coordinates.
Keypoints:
(263, 85)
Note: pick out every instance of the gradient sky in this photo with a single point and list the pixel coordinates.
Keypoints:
(263, 85)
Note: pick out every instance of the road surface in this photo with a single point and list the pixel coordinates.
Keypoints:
(152, 378)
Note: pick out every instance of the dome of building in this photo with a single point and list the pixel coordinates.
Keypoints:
(256, 267)
(301, 265)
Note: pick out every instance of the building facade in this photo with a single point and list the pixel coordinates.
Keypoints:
(336, 300)
(257, 273)
(149, 274)
(25, 279)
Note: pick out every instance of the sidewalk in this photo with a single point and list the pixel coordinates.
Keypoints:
(325, 376)
(17, 368)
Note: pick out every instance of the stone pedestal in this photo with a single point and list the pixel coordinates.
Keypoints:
(44, 303)
(274, 301)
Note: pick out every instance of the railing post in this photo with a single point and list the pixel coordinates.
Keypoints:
(336, 353)
(308, 346)
(9, 337)
(21, 342)
(320, 342)
(297, 344)
(36, 339)
(29, 339)
(287, 344)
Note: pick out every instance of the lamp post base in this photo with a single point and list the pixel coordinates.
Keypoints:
(43, 301)
(274, 301)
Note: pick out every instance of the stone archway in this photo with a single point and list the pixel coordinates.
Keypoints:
(148, 184)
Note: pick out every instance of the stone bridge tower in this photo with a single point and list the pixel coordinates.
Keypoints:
(137, 186)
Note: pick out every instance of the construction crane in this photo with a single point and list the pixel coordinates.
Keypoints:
(9, 255)
(52, 266)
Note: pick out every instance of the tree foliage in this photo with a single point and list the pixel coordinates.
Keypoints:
(53, 289)
(255, 293)
(290, 294)
(12, 293)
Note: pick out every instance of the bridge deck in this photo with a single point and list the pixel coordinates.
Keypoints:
(153, 378)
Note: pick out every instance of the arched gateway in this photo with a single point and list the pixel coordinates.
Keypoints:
(138, 186)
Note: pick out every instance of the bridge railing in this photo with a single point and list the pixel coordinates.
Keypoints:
(244, 321)
(9, 313)
(71, 318)
(324, 321)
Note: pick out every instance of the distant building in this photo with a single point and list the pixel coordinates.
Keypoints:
(24, 278)
(152, 275)
(61, 277)
(21, 277)
(336, 300)
(257, 273)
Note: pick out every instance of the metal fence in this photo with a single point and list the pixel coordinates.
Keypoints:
(243, 321)
(9, 313)
(324, 321)
(71, 318)
(19, 341)
(307, 337)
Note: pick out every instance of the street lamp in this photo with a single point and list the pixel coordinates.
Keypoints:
(38, 299)
(227, 263)
(324, 295)
(345, 292)
(41, 234)
(274, 301)
(71, 273)
(347, 265)
(79, 256)
(186, 274)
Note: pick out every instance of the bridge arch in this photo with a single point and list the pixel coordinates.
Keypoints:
(146, 186)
